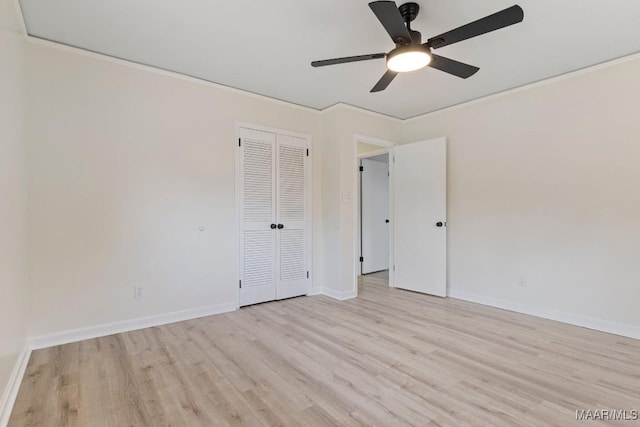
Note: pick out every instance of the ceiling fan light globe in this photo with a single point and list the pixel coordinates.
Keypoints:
(404, 59)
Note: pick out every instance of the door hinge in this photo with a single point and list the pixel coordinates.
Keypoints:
(394, 159)
(394, 268)
(361, 259)
(307, 152)
(239, 142)
(361, 168)
(307, 274)
(240, 284)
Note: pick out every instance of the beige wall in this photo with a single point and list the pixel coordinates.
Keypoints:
(364, 148)
(126, 165)
(544, 184)
(9, 19)
(13, 277)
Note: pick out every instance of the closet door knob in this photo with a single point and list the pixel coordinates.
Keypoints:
(273, 226)
(280, 226)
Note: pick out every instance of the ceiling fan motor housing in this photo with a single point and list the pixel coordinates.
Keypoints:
(409, 11)
(416, 37)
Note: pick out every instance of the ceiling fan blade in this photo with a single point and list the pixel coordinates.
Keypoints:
(384, 81)
(504, 18)
(459, 69)
(389, 16)
(347, 59)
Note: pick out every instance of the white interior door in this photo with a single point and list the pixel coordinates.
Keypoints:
(292, 216)
(257, 214)
(420, 208)
(375, 215)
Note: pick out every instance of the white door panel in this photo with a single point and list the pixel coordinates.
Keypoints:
(291, 215)
(420, 207)
(375, 213)
(257, 239)
(258, 270)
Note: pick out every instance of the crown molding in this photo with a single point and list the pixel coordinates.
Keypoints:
(163, 72)
(20, 16)
(528, 86)
(197, 80)
(346, 106)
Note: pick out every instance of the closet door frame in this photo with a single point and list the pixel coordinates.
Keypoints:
(308, 199)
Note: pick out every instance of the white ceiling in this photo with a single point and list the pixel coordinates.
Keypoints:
(265, 47)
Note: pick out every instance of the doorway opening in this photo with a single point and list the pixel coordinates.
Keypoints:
(416, 238)
(373, 227)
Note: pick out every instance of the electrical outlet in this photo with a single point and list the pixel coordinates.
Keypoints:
(521, 282)
(137, 292)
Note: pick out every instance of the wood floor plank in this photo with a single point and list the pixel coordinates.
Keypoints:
(387, 358)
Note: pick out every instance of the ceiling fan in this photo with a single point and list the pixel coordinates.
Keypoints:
(411, 54)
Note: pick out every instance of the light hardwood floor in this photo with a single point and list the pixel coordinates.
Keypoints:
(386, 358)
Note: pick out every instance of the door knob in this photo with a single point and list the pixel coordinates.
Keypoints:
(386, 221)
(439, 224)
(273, 226)
(280, 226)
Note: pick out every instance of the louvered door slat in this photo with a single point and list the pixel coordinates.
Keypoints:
(258, 258)
(291, 211)
(257, 213)
(292, 255)
(258, 181)
(291, 198)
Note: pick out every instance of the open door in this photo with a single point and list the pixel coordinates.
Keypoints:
(374, 211)
(420, 216)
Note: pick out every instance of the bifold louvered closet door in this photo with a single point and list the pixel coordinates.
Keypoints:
(274, 216)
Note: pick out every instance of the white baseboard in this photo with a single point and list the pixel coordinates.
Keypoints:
(340, 295)
(315, 291)
(11, 390)
(625, 330)
(75, 335)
